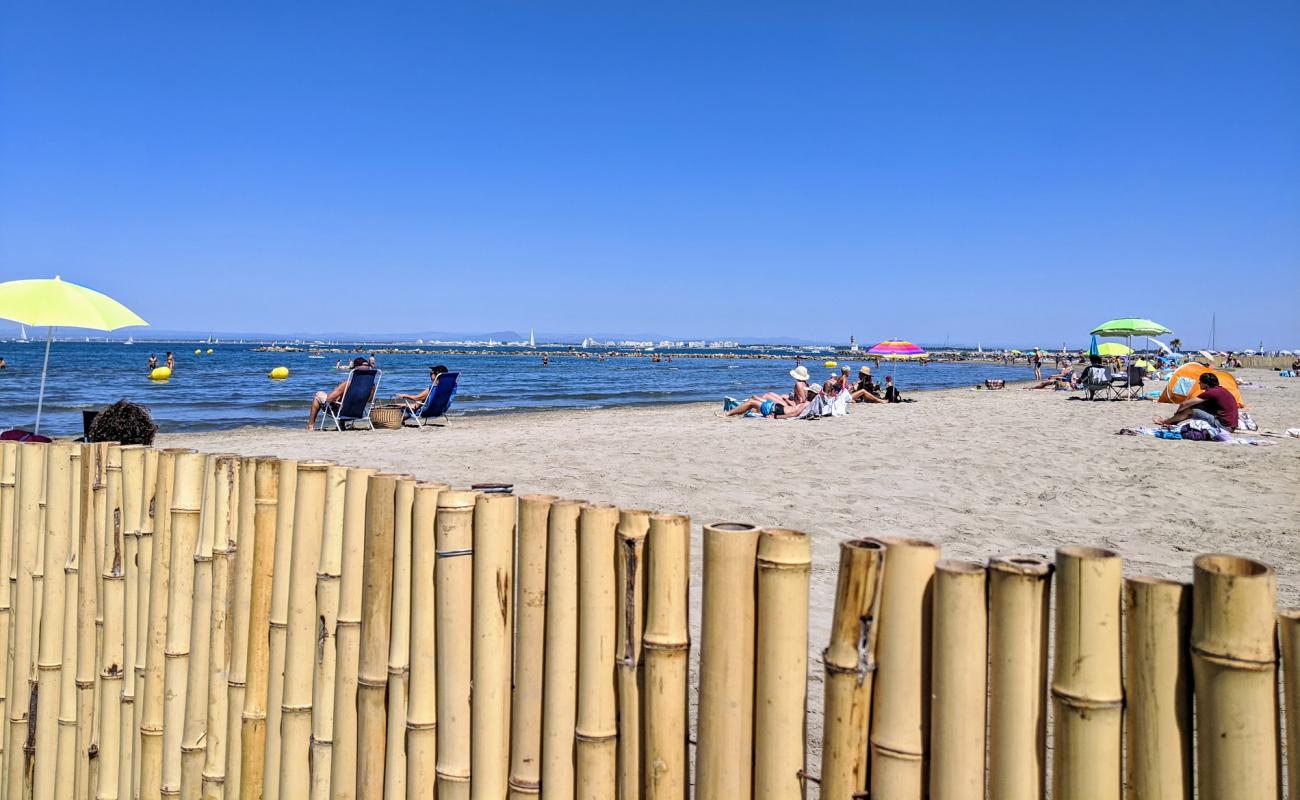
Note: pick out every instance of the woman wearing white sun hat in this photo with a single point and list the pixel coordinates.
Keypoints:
(798, 396)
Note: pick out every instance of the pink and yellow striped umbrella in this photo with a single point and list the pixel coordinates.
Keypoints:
(896, 348)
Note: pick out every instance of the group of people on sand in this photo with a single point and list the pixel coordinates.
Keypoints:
(412, 401)
(829, 398)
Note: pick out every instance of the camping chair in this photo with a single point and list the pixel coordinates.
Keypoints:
(1130, 386)
(437, 403)
(354, 407)
(1096, 381)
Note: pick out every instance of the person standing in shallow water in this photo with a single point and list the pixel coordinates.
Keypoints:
(153, 362)
(171, 360)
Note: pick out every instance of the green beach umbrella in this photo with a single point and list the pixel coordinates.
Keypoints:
(55, 303)
(1130, 326)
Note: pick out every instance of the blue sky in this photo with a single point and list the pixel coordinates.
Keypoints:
(988, 172)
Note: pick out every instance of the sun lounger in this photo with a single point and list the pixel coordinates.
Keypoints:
(436, 404)
(354, 407)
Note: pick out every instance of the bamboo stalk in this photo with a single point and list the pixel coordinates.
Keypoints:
(81, 524)
(725, 753)
(58, 536)
(958, 680)
(1158, 689)
(666, 646)
(422, 711)
(1289, 622)
(28, 489)
(113, 610)
(493, 579)
(300, 639)
(596, 731)
(530, 644)
(252, 735)
(1234, 664)
(399, 640)
(453, 587)
(328, 574)
(560, 670)
(133, 510)
(225, 514)
(241, 588)
(145, 544)
(376, 603)
(194, 726)
(633, 528)
(8, 488)
(343, 766)
(1087, 690)
(1019, 596)
(279, 621)
(90, 617)
(781, 679)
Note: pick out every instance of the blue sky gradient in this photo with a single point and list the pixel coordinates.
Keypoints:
(985, 172)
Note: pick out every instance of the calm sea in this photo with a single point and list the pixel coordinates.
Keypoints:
(230, 388)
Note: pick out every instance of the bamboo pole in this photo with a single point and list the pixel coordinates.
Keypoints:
(453, 588)
(90, 616)
(28, 490)
(1019, 597)
(82, 524)
(560, 669)
(958, 680)
(252, 734)
(113, 610)
(376, 603)
(596, 731)
(225, 538)
(1157, 689)
(343, 766)
(241, 588)
(633, 528)
(150, 522)
(300, 639)
(530, 641)
(399, 640)
(422, 711)
(725, 753)
(328, 574)
(133, 510)
(781, 679)
(58, 536)
(1289, 622)
(1087, 689)
(493, 580)
(1234, 664)
(8, 472)
(194, 726)
(666, 646)
(279, 621)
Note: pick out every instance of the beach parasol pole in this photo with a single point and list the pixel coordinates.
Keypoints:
(45, 367)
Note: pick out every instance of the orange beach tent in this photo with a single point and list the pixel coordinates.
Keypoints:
(1185, 383)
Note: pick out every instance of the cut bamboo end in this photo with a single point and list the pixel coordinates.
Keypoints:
(958, 680)
(1158, 688)
(1289, 623)
(1228, 598)
(784, 561)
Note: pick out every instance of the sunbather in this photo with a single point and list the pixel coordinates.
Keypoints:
(414, 401)
(333, 396)
(1061, 380)
(779, 408)
(865, 390)
(1215, 405)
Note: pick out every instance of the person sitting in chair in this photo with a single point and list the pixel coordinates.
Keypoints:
(335, 395)
(413, 402)
(1215, 405)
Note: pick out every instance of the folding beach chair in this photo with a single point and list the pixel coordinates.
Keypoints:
(437, 403)
(363, 382)
(1097, 381)
(1130, 386)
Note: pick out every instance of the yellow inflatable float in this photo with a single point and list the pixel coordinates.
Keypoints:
(279, 373)
(209, 351)
(830, 365)
(198, 352)
(160, 374)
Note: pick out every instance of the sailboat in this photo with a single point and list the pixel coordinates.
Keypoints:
(129, 340)
(22, 333)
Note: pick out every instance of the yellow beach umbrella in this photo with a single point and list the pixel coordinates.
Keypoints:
(1113, 349)
(55, 303)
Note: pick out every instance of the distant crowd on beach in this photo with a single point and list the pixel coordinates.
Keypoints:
(810, 400)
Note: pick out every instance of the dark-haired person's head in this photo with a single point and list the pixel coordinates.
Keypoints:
(359, 361)
(437, 370)
(1209, 380)
(1094, 360)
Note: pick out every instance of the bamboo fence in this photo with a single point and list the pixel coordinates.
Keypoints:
(433, 641)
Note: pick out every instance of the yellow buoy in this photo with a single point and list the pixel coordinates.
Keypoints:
(209, 351)
(279, 373)
(198, 352)
(830, 365)
(160, 374)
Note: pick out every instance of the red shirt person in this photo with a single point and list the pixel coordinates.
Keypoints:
(1215, 405)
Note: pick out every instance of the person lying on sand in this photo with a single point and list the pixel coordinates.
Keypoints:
(779, 408)
(1214, 405)
(414, 401)
(333, 396)
(1063, 379)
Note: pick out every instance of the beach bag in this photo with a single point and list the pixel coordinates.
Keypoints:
(1197, 430)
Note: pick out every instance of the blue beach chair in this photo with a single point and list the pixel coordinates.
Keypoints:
(436, 404)
(363, 382)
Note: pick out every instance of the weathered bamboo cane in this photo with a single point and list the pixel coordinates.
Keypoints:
(58, 535)
(1234, 663)
(28, 490)
(8, 472)
(279, 621)
(241, 587)
(666, 646)
(454, 587)
(596, 731)
(493, 571)
(1289, 622)
(560, 669)
(1087, 689)
(781, 677)
(530, 642)
(725, 753)
(252, 735)
(399, 640)
(145, 544)
(113, 655)
(90, 616)
(1019, 597)
(225, 545)
(82, 524)
(376, 603)
(633, 527)
(422, 711)
(1157, 689)
(958, 680)
(133, 510)
(194, 727)
(328, 574)
(300, 633)
(343, 767)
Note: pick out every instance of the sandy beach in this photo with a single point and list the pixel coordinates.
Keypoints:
(981, 472)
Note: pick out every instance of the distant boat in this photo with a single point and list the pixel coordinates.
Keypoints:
(22, 334)
(129, 340)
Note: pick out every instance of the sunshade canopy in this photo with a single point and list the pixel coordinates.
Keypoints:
(1130, 326)
(1185, 383)
(896, 348)
(1113, 349)
(55, 303)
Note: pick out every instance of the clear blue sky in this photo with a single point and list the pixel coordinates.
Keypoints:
(986, 171)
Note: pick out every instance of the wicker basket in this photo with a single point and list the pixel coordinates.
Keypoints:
(386, 417)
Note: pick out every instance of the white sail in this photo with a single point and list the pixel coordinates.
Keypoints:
(22, 332)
